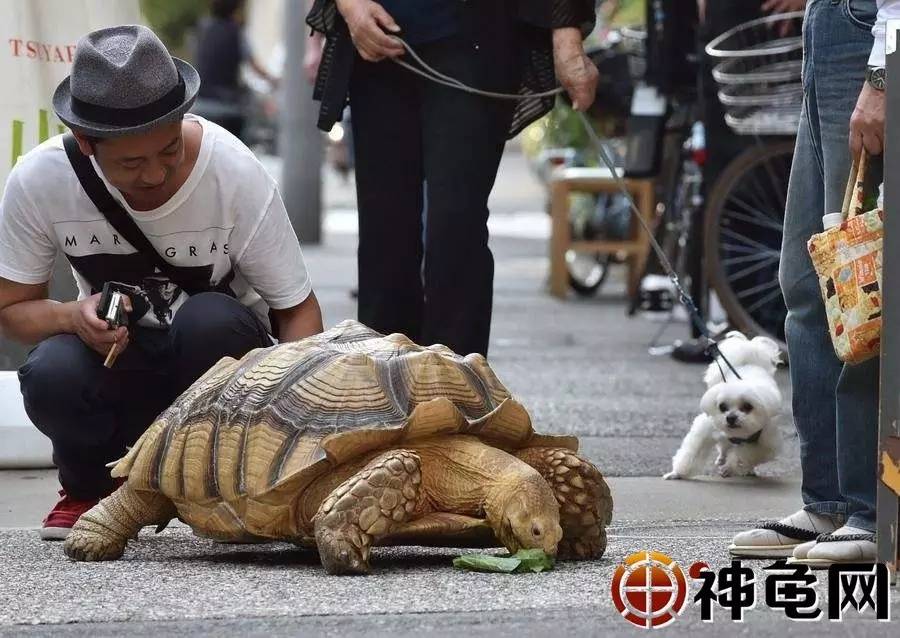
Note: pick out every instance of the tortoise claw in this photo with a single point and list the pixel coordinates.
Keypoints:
(86, 545)
(340, 557)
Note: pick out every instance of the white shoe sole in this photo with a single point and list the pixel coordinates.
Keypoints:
(823, 563)
(815, 563)
(762, 551)
(54, 533)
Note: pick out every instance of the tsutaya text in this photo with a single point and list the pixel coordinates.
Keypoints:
(41, 51)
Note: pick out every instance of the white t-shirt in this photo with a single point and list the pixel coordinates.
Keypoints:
(226, 224)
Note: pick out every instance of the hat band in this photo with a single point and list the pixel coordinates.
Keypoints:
(134, 116)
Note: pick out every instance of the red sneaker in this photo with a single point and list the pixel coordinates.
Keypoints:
(62, 517)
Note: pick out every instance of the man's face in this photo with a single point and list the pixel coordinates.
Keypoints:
(142, 166)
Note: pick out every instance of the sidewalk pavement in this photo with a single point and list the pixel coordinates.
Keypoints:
(579, 366)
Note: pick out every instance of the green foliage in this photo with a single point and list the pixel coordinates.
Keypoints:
(172, 19)
(629, 12)
(563, 128)
(524, 560)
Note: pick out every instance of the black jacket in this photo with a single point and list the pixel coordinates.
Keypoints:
(534, 21)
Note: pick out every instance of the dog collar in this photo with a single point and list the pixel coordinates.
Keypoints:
(750, 439)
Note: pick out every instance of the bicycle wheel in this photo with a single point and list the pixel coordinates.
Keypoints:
(743, 232)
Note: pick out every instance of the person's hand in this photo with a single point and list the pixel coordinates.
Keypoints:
(574, 70)
(783, 6)
(93, 330)
(785, 27)
(867, 122)
(367, 21)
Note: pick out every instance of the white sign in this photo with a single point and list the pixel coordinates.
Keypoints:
(38, 39)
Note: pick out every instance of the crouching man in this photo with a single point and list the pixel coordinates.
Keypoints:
(170, 206)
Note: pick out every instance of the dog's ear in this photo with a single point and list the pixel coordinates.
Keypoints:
(713, 375)
(768, 397)
(709, 402)
(770, 348)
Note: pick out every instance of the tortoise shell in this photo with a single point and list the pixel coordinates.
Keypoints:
(236, 448)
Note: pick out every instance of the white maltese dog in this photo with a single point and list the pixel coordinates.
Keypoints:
(737, 418)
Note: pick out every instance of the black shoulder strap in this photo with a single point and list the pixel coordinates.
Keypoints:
(111, 209)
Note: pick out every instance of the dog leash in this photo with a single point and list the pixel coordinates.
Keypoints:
(433, 75)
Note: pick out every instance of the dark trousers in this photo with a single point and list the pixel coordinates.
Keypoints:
(91, 413)
(416, 139)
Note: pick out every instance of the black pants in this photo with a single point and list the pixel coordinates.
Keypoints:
(414, 138)
(91, 413)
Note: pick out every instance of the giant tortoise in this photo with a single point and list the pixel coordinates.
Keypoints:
(348, 440)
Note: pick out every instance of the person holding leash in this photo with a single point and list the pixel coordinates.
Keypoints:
(430, 276)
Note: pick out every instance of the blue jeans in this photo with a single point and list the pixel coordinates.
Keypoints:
(835, 405)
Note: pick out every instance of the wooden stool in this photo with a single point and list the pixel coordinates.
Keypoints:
(596, 180)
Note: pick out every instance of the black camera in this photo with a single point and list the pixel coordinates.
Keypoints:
(112, 304)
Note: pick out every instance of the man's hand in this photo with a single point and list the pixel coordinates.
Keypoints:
(366, 20)
(574, 69)
(867, 122)
(783, 6)
(94, 331)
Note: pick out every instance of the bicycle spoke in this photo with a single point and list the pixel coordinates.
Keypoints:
(751, 269)
(752, 256)
(743, 238)
(735, 198)
(761, 189)
(755, 289)
(765, 300)
(771, 225)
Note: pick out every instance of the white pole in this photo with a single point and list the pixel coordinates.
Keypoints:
(299, 141)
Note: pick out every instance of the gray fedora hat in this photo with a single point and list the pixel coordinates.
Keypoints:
(123, 82)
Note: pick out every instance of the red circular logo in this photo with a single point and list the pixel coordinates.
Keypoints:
(649, 589)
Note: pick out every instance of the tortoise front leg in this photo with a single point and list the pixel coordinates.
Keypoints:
(365, 507)
(102, 532)
(585, 505)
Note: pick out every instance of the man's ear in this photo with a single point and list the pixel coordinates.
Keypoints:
(84, 144)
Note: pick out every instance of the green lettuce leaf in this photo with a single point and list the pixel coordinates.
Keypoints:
(533, 560)
(525, 560)
(486, 563)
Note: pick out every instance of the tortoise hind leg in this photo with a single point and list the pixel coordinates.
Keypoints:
(366, 507)
(585, 505)
(102, 532)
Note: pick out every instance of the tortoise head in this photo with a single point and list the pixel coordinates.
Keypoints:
(528, 516)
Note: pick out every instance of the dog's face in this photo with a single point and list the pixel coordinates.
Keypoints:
(740, 409)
